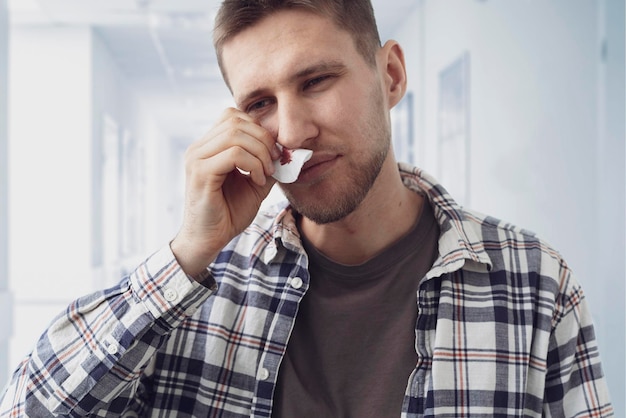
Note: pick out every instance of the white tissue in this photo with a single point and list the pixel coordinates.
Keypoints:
(288, 172)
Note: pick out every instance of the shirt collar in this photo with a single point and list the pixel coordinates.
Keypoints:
(461, 243)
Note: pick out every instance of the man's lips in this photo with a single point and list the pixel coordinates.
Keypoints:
(318, 159)
(316, 167)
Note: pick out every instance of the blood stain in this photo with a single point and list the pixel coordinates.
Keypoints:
(285, 157)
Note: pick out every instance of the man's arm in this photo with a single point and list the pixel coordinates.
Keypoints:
(575, 382)
(93, 356)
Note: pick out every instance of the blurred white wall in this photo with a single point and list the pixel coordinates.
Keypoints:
(49, 175)
(142, 168)
(6, 307)
(546, 131)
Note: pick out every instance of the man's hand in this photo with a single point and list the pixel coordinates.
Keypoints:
(221, 201)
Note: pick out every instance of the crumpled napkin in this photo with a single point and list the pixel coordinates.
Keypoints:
(290, 163)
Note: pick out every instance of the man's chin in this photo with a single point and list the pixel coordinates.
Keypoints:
(324, 209)
(326, 217)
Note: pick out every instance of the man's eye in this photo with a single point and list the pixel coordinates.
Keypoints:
(317, 80)
(256, 106)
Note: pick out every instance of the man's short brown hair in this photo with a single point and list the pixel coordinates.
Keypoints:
(354, 16)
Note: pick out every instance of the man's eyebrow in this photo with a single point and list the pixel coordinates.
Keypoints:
(330, 66)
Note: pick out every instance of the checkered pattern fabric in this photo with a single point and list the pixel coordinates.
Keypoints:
(502, 330)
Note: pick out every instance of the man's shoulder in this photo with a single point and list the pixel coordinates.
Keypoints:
(492, 227)
(511, 247)
(467, 234)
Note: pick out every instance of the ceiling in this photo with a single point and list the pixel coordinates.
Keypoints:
(164, 49)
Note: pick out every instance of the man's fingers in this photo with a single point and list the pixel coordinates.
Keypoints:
(228, 161)
(234, 122)
(234, 136)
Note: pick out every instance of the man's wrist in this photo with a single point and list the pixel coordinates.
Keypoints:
(194, 267)
(203, 277)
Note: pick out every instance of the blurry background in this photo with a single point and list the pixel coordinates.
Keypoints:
(517, 107)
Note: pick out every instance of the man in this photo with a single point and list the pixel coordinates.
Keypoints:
(372, 294)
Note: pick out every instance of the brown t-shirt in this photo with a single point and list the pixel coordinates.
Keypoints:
(353, 345)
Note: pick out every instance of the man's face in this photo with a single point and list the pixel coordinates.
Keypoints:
(304, 81)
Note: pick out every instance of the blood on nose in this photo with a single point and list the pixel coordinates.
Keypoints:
(285, 158)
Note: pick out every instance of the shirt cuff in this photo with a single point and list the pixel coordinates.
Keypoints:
(166, 291)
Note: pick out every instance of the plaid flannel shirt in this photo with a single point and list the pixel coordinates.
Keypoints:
(502, 330)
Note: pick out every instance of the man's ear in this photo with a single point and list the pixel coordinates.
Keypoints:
(393, 71)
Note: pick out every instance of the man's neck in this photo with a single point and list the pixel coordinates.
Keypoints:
(386, 214)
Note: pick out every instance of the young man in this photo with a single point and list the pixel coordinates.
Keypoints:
(371, 294)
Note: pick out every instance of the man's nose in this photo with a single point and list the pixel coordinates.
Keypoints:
(295, 125)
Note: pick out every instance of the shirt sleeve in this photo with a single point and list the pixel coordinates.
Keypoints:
(92, 357)
(575, 382)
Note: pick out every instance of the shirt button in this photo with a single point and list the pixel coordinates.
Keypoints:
(264, 374)
(113, 348)
(190, 311)
(296, 283)
(170, 295)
